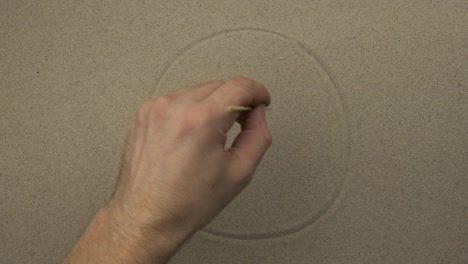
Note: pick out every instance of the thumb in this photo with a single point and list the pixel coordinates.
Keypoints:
(249, 146)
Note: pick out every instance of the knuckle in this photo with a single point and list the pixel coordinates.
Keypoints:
(144, 107)
(164, 100)
(241, 88)
(242, 81)
(159, 106)
(246, 93)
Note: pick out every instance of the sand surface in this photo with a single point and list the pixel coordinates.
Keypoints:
(370, 122)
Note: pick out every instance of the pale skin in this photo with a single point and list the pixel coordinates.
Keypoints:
(176, 174)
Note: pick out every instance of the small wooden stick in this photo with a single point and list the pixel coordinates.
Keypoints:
(241, 108)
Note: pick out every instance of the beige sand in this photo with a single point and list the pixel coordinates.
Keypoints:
(370, 122)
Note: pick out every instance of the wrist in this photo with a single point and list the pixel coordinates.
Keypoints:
(157, 239)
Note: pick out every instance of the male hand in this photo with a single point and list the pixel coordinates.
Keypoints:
(176, 174)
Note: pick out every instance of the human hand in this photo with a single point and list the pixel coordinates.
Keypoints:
(176, 175)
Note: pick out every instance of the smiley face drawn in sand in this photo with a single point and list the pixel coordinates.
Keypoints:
(304, 173)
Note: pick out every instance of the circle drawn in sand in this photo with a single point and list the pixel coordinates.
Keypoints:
(302, 174)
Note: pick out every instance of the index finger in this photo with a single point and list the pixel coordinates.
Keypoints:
(241, 91)
(238, 91)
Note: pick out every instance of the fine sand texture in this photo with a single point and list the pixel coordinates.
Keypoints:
(369, 120)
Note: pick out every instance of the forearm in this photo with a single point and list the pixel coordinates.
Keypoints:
(111, 240)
